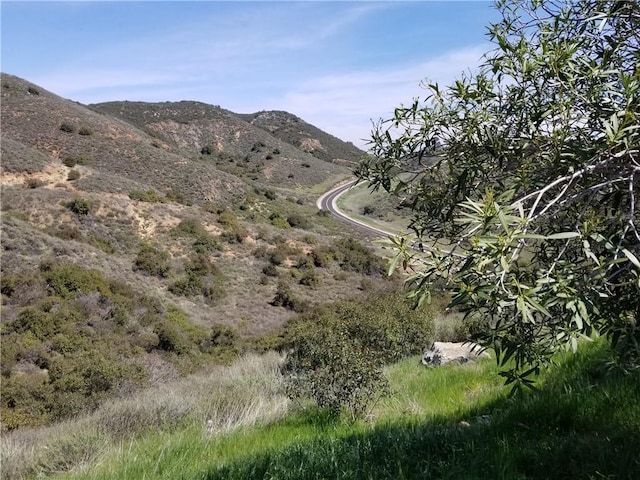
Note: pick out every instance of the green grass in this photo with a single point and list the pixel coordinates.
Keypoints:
(453, 423)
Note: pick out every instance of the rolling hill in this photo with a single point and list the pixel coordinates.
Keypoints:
(157, 228)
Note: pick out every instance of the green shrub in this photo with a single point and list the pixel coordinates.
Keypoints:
(188, 285)
(189, 227)
(171, 338)
(86, 131)
(206, 244)
(310, 278)
(222, 336)
(278, 221)
(355, 257)
(284, 297)
(152, 261)
(337, 353)
(331, 368)
(73, 175)
(80, 206)
(70, 162)
(270, 270)
(66, 280)
(298, 221)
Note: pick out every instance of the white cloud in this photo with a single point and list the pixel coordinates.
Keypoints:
(345, 104)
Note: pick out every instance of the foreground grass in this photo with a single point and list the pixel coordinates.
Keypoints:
(449, 423)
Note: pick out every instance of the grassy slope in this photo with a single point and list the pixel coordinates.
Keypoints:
(583, 423)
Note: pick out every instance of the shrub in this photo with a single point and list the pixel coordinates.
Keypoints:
(86, 131)
(73, 175)
(337, 353)
(206, 150)
(222, 336)
(278, 221)
(270, 270)
(284, 297)
(310, 278)
(80, 206)
(34, 183)
(67, 127)
(33, 91)
(189, 227)
(332, 369)
(152, 261)
(66, 280)
(206, 244)
(298, 221)
(70, 162)
(188, 285)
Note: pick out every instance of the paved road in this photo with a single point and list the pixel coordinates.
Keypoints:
(329, 200)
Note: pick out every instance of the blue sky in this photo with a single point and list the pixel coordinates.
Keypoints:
(338, 65)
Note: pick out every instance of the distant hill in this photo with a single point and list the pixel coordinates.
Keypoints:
(306, 137)
(199, 130)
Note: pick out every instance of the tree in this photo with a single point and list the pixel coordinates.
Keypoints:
(523, 178)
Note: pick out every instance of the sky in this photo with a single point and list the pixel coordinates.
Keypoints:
(338, 65)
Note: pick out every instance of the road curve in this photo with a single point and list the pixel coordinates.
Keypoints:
(329, 200)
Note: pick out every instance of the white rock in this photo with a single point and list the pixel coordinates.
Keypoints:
(442, 353)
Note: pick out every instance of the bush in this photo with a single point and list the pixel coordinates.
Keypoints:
(189, 227)
(80, 206)
(66, 280)
(284, 297)
(310, 278)
(85, 131)
(206, 150)
(270, 270)
(67, 127)
(152, 261)
(70, 162)
(206, 244)
(331, 368)
(337, 353)
(34, 183)
(73, 175)
(298, 221)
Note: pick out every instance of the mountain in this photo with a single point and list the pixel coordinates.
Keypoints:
(142, 241)
(304, 136)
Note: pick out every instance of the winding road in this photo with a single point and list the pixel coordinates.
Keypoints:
(329, 200)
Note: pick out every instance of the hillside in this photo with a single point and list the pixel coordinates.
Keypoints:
(306, 137)
(198, 130)
(128, 232)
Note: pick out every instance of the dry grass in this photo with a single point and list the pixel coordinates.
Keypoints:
(220, 400)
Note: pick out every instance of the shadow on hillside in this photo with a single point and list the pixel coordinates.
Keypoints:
(583, 423)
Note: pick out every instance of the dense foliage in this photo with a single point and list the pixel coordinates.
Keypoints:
(523, 181)
(337, 353)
